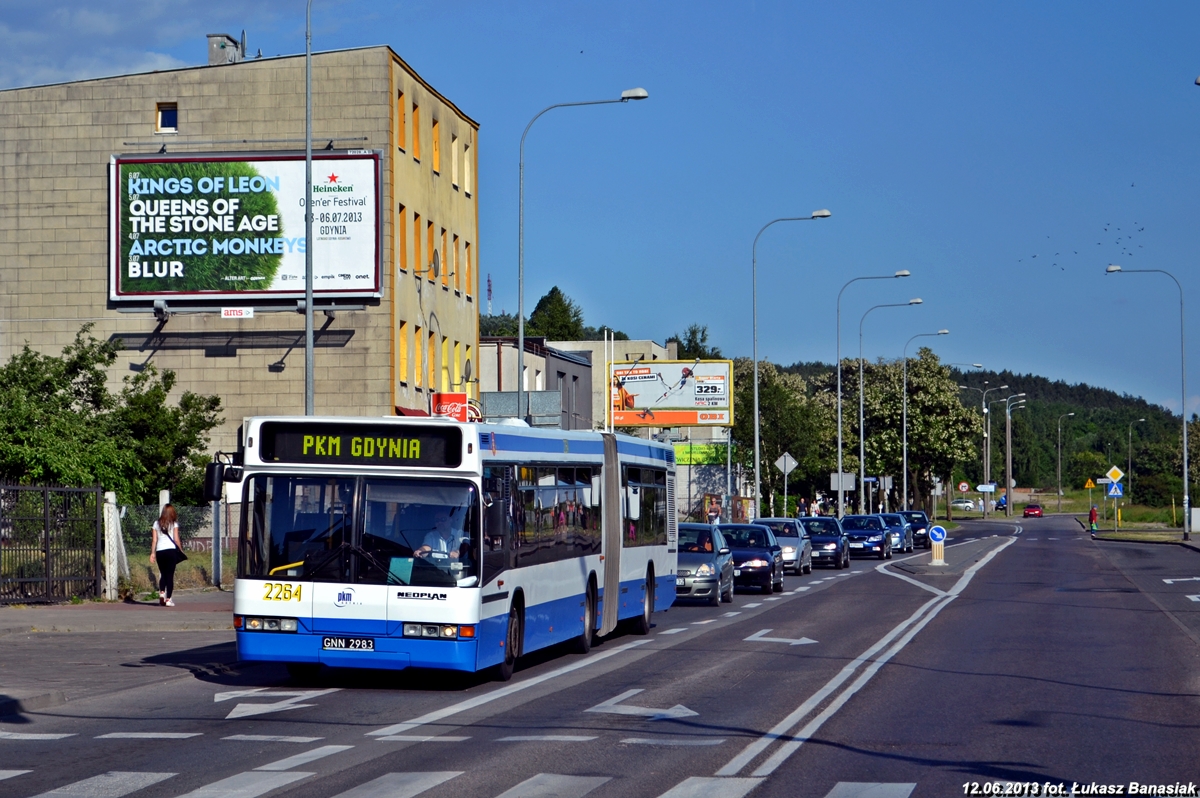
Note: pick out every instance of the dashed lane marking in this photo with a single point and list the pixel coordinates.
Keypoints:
(246, 785)
(28, 736)
(148, 735)
(8, 774)
(773, 598)
(705, 787)
(112, 784)
(552, 785)
(400, 785)
(423, 738)
(270, 738)
(305, 757)
(546, 738)
(701, 623)
(753, 605)
(730, 614)
(674, 631)
(855, 789)
(667, 741)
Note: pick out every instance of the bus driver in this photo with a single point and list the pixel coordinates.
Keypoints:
(443, 539)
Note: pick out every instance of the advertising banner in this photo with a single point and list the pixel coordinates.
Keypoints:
(213, 226)
(450, 405)
(672, 393)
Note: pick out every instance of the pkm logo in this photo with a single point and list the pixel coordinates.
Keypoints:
(345, 597)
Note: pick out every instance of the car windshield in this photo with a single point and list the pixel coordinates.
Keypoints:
(914, 517)
(893, 520)
(746, 537)
(782, 529)
(695, 539)
(821, 526)
(1038, 506)
(862, 522)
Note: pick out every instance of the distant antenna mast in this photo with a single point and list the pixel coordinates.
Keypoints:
(489, 294)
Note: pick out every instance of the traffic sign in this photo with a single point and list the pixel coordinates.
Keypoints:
(786, 463)
(987, 487)
(1090, 484)
(937, 534)
(1102, 480)
(1115, 474)
(1114, 490)
(963, 487)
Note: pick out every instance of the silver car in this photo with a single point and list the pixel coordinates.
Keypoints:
(793, 538)
(705, 569)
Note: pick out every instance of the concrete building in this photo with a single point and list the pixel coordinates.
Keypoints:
(547, 368)
(622, 351)
(381, 353)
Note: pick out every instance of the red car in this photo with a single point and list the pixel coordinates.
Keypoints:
(1033, 511)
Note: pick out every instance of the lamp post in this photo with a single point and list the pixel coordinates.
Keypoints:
(1129, 466)
(626, 96)
(821, 214)
(987, 436)
(1060, 418)
(1009, 406)
(862, 437)
(1115, 269)
(309, 358)
(841, 506)
(904, 468)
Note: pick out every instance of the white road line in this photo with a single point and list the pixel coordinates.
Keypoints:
(1031, 538)
(674, 631)
(701, 623)
(148, 735)
(270, 738)
(113, 784)
(28, 736)
(487, 698)
(882, 568)
(801, 589)
(423, 738)
(8, 774)
(669, 741)
(1051, 538)
(246, 785)
(305, 757)
(773, 598)
(551, 785)
(701, 787)
(546, 738)
(856, 572)
(854, 789)
(730, 614)
(400, 785)
(752, 606)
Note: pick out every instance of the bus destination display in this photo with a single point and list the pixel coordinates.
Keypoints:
(361, 444)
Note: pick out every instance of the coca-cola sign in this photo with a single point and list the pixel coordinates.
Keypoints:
(450, 405)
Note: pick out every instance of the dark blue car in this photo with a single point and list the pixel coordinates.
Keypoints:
(868, 535)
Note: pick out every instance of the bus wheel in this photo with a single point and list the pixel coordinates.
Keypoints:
(512, 644)
(641, 626)
(583, 643)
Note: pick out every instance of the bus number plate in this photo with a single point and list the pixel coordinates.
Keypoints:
(348, 643)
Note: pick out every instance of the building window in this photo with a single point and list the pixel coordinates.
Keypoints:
(445, 262)
(167, 118)
(446, 364)
(402, 345)
(402, 242)
(418, 373)
(429, 248)
(457, 270)
(467, 359)
(458, 380)
(437, 149)
(470, 285)
(467, 169)
(430, 364)
(417, 263)
(454, 161)
(401, 118)
(416, 120)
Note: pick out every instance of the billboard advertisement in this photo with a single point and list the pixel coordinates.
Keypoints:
(672, 393)
(215, 226)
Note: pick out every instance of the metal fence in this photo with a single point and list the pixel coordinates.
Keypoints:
(195, 527)
(50, 543)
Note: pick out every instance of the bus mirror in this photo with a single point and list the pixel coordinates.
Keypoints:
(214, 474)
(233, 473)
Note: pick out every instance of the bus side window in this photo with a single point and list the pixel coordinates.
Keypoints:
(498, 509)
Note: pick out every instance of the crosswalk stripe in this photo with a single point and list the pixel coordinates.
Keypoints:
(707, 787)
(305, 757)
(113, 784)
(400, 785)
(8, 774)
(856, 789)
(552, 785)
(546, 738)
(421, 738)
(27, 736)
(148, 735)
(270, 738)
(246, 785)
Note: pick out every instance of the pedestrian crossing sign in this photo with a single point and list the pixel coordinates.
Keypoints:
(1090, 484)
(1115, 490)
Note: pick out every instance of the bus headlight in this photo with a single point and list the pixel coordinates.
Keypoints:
(254, 624)
(431, 631)
(267, 624)
(287, 624)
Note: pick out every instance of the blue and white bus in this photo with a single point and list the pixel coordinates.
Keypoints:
(422, 542)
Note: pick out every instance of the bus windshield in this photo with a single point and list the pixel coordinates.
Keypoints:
(403, 532)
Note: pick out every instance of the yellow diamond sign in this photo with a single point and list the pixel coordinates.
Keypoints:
(1090, 484)
(1115, 474)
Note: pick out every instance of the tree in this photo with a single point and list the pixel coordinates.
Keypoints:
(504, 324)
(557, 317)
(694, 344)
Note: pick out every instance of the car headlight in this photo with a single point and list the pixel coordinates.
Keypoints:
(755, 564)
(830, 547)
(875, 538)
(789, 549)
(706, 570)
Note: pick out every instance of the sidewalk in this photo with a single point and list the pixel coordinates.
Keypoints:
(194, 610)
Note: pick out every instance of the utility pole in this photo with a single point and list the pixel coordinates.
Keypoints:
(1009, 406)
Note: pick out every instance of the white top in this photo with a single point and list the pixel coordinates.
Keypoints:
(165, 541)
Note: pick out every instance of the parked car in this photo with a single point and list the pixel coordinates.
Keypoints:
(705, 569)
(920, 526)
(868, 535)
(829, 543)
(757, 557)
(1033, 511)
(963, 504)
(900, 530)
(793, 539)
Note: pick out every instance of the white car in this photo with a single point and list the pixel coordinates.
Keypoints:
(963, 504)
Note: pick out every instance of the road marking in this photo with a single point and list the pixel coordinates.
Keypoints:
(471, 703)
(291, 702)
(757, 637)
(1194, 598)
(854, 789)
(882, 568)
(802, 589)
(148, 735)
(1031, 538)
(752, 606)
(672, 741)
(613, 706)
(27, 736)
(1051, 538)
(546, 738)
(1189, 579)
(550, 785)
(305, 757)
(400, 785)
(730, 614)
(773, 598)
(246, 785)
(8, 774)
(271, 738)
(702, 787)
(856, 572)
(422, 738)
(112, 784)
(701, 623)
(674, 631)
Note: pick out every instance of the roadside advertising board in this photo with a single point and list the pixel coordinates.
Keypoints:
(672, 393)
(449, 405)
(232, 226)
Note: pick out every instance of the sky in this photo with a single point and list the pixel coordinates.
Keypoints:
(1003, 153)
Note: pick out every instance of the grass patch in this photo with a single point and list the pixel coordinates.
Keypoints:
(1142, 535)
(196, 571)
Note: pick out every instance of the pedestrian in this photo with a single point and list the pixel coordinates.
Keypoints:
(1092, 516)
(167, 549)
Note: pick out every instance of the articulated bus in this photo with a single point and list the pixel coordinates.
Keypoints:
(420, 542)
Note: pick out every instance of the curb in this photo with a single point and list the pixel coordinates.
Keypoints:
(101, 626)
(17, 706)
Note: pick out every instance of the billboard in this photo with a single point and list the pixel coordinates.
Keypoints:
(671, 393)
(214, 226)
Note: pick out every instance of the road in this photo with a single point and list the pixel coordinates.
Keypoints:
(1041, 656)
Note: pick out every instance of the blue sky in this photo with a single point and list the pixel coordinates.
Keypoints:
(956, 140)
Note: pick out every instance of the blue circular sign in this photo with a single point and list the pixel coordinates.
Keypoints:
(937, 534)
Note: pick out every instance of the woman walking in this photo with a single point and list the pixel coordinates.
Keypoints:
(167, 549)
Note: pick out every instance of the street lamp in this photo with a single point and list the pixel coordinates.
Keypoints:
(1060, 418)
(841, 494)
(1129, 466)
(821, 214)
(904, 502)
(309, 358)
(862, 466)
(987, 437)
(626, 96)
(1009, 406)
(1115, 269)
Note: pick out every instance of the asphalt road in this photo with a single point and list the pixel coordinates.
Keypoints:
(1039, 656)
